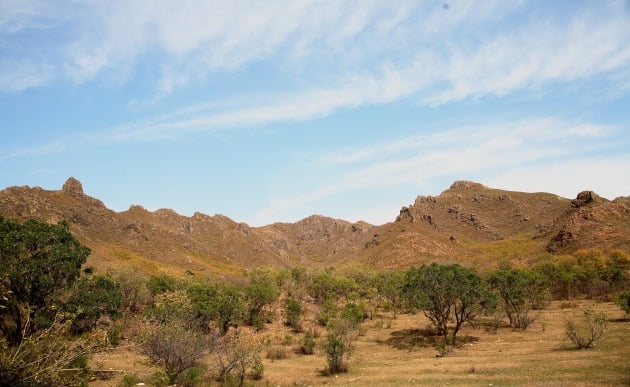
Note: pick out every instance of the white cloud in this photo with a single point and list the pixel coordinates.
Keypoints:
(493, 152)
(15, 77)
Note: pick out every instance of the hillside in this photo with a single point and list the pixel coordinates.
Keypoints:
(468, 221)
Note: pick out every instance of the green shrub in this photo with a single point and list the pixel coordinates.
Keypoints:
(129, 380)
(587, 332)
(160, 284)
(308, 344)
(114, 335)
(293, 312)
(160, 379)
(326, 312)
(623, 300)
(257, 369)
(192, 377)
(353, 313)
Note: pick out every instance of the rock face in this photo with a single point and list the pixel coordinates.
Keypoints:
(584, 198)
(73, 187)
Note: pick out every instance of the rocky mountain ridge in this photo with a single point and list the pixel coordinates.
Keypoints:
(450, 226)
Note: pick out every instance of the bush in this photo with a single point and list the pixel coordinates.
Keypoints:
(338, 347)
(114, 335)
(175, 347)
(589, 331)
(92, 298)
(277, 352)
(133, 288)
(326, 312)
(623, 300)
(160, 284)
(129, 380)
(294, 314)
(41, 357)
(257, 369)
(237, 354)
(353, 313)
(308, 344)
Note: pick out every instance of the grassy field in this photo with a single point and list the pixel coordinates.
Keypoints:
(401, 355)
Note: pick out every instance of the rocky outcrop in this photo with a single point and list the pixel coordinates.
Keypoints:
(584, 198)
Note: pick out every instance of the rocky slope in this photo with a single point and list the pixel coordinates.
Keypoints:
(459, 224)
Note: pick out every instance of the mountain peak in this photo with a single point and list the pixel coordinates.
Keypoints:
(73, 187)
(466, 184)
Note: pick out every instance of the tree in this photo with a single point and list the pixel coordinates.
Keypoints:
(237, 353)
(390, 286)
(37, 261)
(133, 289)
(519, 291)
(93, 297)
(42, 359)
(338, 346)
(623, 300)
(445, 292)
(590, 330)
(175, 347)
(221, 302)
(261, 291)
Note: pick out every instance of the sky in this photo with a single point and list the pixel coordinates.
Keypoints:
(275, 110)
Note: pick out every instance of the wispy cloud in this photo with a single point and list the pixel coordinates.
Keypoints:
(484, 152)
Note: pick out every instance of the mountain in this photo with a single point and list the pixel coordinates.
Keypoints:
(467, 222)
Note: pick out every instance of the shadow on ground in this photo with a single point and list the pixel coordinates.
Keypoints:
(409, 339)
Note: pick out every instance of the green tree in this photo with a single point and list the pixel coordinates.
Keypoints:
(338, 346)
(93, 297)
(519, 291)
(221, 302)
(623, 300)
(445, 293)
(37, 261)
(390, 287)
(261, 291)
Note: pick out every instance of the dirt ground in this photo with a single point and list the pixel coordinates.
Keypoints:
(401, 355)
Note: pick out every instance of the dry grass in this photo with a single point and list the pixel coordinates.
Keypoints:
(406, 354)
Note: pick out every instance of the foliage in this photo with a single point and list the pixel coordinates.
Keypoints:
(519, 291)
(293, 313)
(92, 298)
(353, 313)
(174, 347)
(446, 292)
(590, 272)
(173, 307)
(390, 286)
(589, 331)
(326, 312)
(261, 291)
(133, 289)
(42, 358)
(221, 302)
(338, 346)
(237, 354)
(160, 284)
(623, 300)
(37, 261)
(308, 343)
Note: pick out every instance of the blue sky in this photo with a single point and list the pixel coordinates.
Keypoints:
(275, 110)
